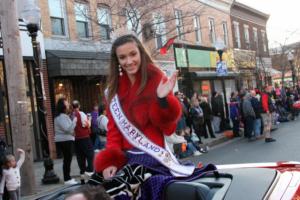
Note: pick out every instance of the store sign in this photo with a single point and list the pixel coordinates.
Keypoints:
(199, 58)
(264, 63)
(221, 68)
(244, 58)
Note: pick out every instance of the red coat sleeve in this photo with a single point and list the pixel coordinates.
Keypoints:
(166, 118)
(264, 102)
(112, 155)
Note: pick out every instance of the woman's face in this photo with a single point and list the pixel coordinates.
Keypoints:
(129, 58)
(196, 102)
(67, 105)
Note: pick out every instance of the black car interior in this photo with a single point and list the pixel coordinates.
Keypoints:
(230, 184)
(233, 184)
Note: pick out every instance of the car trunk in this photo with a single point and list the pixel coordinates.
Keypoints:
(230, 184)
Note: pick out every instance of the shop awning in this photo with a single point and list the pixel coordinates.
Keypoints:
(76, 63)
(211, 74)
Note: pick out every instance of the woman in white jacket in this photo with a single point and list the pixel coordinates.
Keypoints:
(64, 137)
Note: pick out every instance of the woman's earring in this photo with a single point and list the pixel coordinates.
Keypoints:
(120, 71)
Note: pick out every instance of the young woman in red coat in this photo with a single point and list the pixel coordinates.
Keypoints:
(146, 99)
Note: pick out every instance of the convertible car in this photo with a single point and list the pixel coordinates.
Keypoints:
(267, 181)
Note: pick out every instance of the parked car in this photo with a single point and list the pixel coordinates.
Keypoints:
(267, 181)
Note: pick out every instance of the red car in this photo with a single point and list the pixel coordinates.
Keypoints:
(285, 184)
(267, 181)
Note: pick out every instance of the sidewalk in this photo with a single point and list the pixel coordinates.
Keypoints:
(39, 171)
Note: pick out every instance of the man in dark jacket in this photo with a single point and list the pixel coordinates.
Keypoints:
(218, 109)
(258, 110)
(207, 117)
(248, 115)
(235, 114)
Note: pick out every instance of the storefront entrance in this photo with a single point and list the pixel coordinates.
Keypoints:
(88, 90)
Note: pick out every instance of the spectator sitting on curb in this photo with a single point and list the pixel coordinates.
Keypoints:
(180, 147)
(192, 139)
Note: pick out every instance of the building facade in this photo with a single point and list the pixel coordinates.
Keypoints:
(250, 44)
(74, 30)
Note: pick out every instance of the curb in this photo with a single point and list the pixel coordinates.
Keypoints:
(218, 141)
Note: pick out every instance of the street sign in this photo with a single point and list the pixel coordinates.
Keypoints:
(221, 68)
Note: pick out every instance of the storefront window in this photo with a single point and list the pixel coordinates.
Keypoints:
(5, 132)
(88, 91)
(4, 117)
(63, 89)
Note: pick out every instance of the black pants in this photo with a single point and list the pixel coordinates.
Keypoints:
(67, 149)
(199, 130)
(207, 123)
(236, 127)
(85, 154)
(223, 122)
(249, 125)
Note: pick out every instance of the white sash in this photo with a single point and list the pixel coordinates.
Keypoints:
(137, 139)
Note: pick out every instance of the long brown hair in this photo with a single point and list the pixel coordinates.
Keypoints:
(113, 78)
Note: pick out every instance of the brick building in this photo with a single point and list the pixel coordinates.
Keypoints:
(250, 44)
(197, 58)
(77, 37)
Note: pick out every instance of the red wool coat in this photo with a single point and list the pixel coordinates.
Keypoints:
(144, 111)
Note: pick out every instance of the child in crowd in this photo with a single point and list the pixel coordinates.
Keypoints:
(187, 148)
(11, 175)
(193, 143)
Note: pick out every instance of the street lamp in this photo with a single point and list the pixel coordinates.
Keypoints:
(32, 16)
(220, 48)
(290, 57)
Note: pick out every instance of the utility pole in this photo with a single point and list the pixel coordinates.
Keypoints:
(16, 89)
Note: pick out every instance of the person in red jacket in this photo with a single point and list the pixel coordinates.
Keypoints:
(83, 144)
(141, 111)
(267, 106)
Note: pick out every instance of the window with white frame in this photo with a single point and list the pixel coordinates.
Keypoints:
(133, 18)
(56, 9)
(104, 21)
(264, 41)
(197, 28)
(179, 24)
(82, 22)
(246, 35)
(255, 38)
(237, 34)
(212, 32)
(160, 29)
(225, 33)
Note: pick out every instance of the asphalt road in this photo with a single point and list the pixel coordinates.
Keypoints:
(286, 148)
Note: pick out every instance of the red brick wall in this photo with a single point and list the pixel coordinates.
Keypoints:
(49, 116)
(2, 131)
(251, 36)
